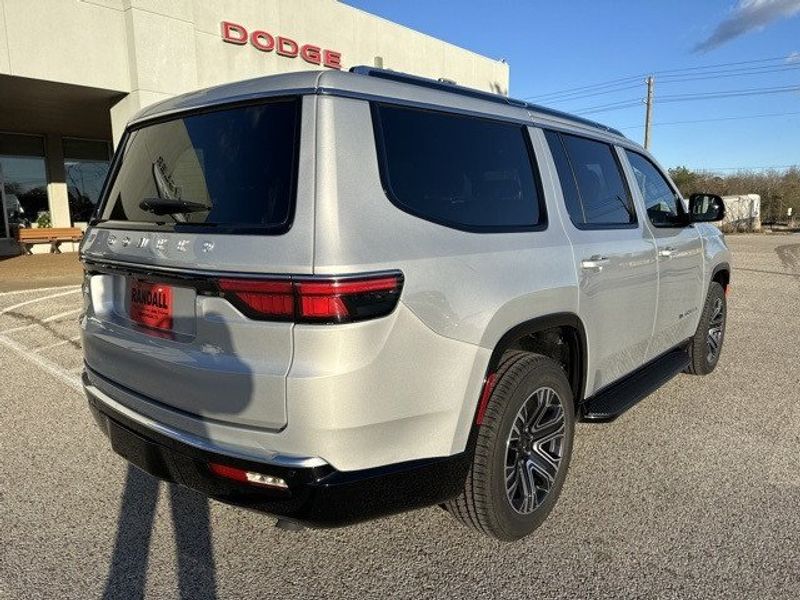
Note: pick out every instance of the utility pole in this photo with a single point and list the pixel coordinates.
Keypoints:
(648, 115)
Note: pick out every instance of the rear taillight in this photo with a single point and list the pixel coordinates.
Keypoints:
(261, 299)
(315, 299)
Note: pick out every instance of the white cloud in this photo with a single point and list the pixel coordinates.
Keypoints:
(794, 57)
(747, 16)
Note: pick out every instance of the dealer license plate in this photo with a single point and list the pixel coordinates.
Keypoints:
(151, 304)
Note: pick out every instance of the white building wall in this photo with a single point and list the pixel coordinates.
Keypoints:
(153, 49)
(69, 41)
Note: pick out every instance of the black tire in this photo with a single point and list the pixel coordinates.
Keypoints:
(485, 503)
(704, 355)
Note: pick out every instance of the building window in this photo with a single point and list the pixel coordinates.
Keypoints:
(86, 164)
(23, 174)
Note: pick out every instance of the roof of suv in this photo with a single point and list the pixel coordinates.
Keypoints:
(375, 84)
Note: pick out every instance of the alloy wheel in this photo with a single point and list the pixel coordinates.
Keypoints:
(715, 329)
(534, 450)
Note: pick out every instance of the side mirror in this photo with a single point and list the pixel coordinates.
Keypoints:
(705, 208)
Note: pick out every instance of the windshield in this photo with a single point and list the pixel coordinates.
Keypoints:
(231, 169)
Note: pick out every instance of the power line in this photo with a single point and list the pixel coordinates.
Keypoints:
(667, 73)
(690, 97)
(580, 95)
(730, 64)
(726, 74)
(712, 75)
(738, 118)
(729, 93)
(586, 87)
(609, 107)
(696, 77)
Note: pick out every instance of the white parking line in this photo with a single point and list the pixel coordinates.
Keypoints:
(67, 313)
(36, 290)
(62, 375)
(35, 300)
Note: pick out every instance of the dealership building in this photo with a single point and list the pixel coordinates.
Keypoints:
(72, 72)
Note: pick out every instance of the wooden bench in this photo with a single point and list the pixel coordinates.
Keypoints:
(54, 236)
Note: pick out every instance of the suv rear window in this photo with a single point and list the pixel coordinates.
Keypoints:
(229, 171)
(463, 172)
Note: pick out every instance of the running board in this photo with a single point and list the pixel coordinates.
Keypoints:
(614, 400)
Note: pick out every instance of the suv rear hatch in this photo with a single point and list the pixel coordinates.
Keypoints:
(196, 203)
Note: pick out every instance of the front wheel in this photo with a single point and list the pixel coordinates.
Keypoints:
(522, 451)
(706, 345)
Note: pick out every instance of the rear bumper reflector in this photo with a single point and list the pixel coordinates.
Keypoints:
(488, 388)
(245, 476)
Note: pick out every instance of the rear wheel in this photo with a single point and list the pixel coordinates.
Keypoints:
(706, 345)
(522, 451)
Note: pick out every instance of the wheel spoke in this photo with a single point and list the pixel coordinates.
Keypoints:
(512, 480)
(533, 416)
(528, 482)
(534, 450)
(548, 429)
(712, 342)
(547, 469)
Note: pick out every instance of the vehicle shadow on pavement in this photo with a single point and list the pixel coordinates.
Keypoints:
(190, 516)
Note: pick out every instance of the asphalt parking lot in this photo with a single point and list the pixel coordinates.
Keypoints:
(694, 493)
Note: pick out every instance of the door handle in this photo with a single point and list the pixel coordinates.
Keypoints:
(666, 252)
(594, 263)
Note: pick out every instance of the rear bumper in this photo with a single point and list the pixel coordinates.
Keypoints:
(317, 495)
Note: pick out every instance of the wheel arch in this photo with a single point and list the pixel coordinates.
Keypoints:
(722, 274)
(569, 325)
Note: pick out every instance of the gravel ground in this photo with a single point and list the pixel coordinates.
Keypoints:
(39, 270)
(694, 493)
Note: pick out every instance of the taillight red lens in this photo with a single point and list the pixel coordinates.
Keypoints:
(261, 298)
(316, 300)
(349, 299)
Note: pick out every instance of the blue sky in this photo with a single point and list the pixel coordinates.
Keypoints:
(553, 46)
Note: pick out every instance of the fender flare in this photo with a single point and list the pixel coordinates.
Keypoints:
(535, 325)
(723, 266)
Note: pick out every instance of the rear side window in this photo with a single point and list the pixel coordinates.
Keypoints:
(226, 171)
(463, 172)
(592, 182)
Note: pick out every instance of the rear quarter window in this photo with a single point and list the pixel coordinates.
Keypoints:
(463, 172)
(230, 170)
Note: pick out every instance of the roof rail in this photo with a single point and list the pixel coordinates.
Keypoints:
(461, 90)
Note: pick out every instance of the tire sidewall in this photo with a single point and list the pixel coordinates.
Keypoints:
(544, 373)
(700, 346)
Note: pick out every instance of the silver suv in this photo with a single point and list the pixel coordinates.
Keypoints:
(332, 296)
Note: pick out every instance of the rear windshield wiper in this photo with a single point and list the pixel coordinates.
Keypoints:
(172, 206)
